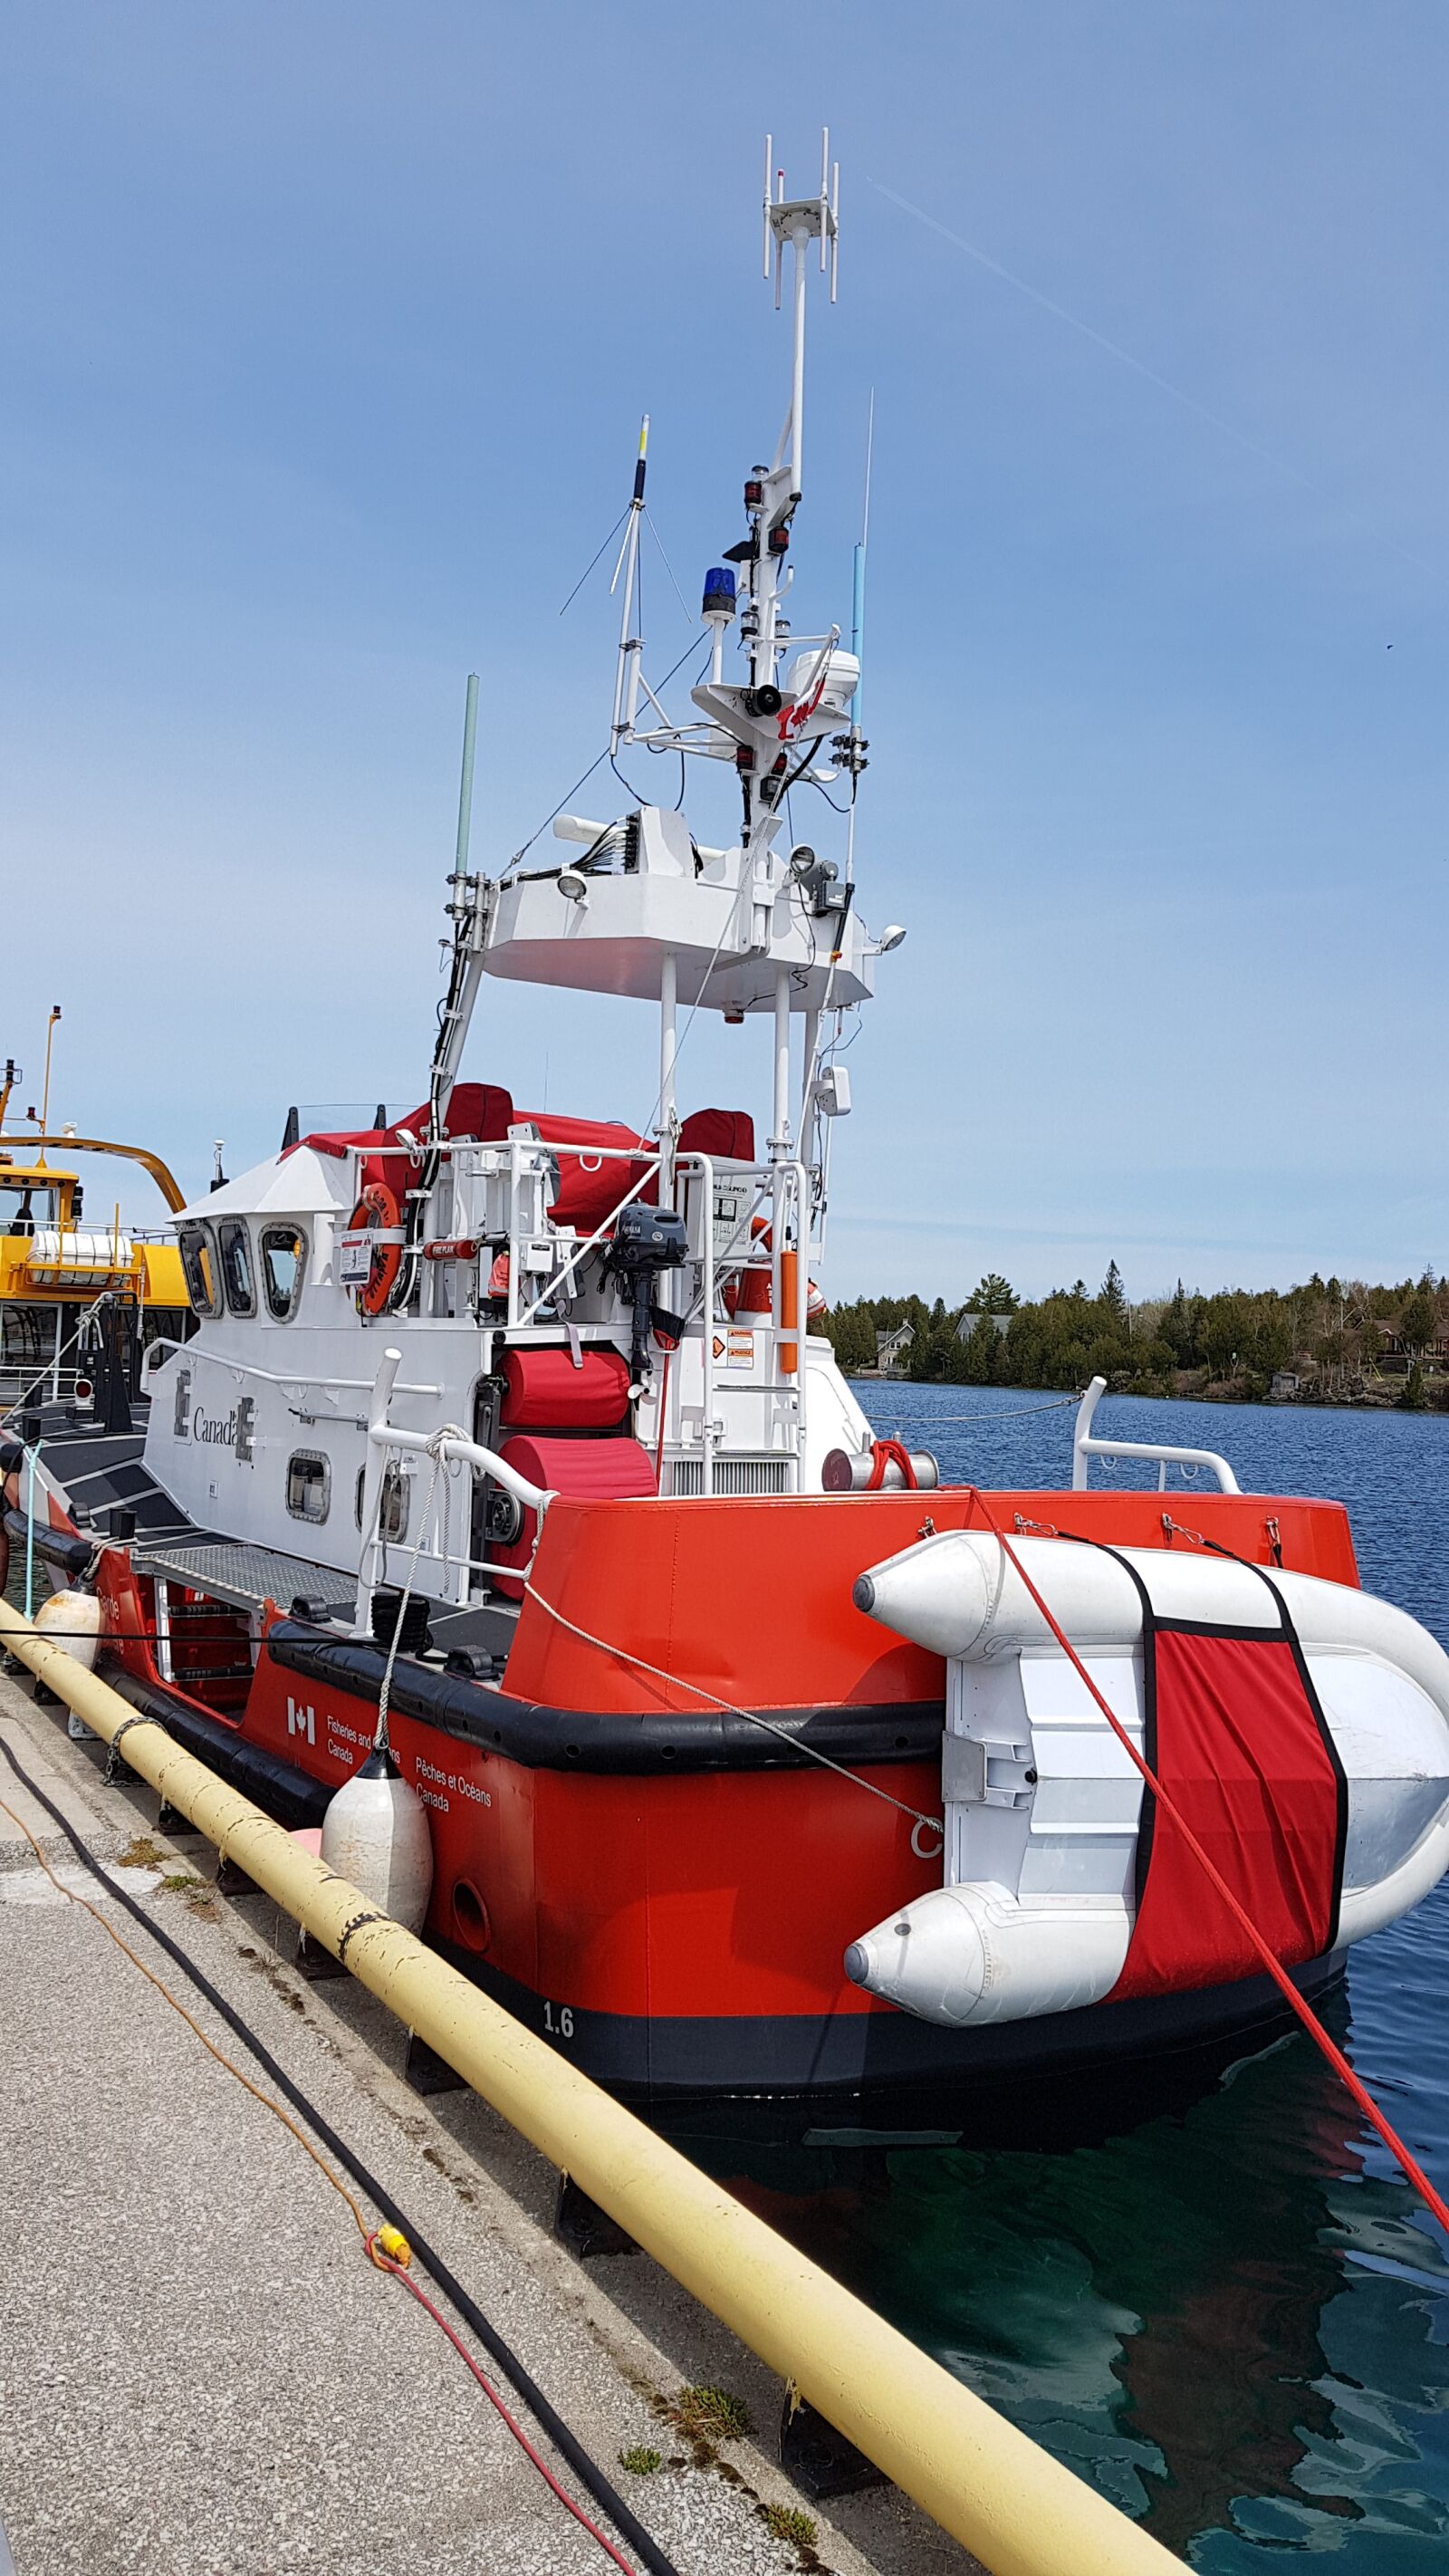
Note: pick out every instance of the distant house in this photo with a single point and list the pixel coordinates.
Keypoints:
(891, 1349)
(1395, 1353)
(1285, 1388)
(1000, 1325)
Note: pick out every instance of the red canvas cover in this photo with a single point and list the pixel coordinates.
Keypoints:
(544, 1390)
(728, 1134)
(1236, 1736)
(594, 1471)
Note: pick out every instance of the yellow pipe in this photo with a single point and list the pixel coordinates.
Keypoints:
(160, 1172)
(990, 2486)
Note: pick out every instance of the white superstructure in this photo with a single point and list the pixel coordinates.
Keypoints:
(473, 1230)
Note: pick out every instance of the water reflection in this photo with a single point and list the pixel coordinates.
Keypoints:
(1150, 2287)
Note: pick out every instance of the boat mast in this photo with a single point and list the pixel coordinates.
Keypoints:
(626, 677)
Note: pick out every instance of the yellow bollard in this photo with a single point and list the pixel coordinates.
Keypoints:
(984, 2482)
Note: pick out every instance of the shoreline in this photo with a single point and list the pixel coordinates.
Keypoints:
(1227, 1393)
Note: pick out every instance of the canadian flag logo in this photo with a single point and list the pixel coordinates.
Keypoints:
(301, 1721)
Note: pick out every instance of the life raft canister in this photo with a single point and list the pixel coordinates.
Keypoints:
(377, 1212)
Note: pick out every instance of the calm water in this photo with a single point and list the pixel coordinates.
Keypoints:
(1227, 2311)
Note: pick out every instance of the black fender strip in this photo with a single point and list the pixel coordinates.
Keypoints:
(58, 1547)
(289, 1794)
(639, 1741)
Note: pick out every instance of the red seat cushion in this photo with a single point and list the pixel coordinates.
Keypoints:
(728, 1134)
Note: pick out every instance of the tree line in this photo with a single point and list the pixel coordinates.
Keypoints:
(1343, 1341)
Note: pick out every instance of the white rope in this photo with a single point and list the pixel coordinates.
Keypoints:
(1008, 1413)
(752, 1716)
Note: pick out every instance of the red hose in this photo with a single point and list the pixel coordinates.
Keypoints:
(1304, 2010)
(385, 2263)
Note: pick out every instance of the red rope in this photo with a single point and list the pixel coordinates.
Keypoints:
(385, 2263)
(1304, 2010)
(890, 1453)
(663, 1401)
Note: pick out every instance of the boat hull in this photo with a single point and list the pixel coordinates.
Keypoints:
(660, 1884)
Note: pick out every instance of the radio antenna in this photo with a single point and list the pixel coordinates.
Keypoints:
(855, 746)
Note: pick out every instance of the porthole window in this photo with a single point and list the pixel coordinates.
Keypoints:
(198, 1261)
(284, 1262)
(394, 1501)
(236, 1266)
(309, 1485)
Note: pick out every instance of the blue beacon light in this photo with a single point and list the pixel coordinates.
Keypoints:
(719, 592)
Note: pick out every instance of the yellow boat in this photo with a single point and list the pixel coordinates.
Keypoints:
(58, 1273)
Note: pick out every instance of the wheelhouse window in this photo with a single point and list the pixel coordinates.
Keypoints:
(309, 1485)
(198, 1261)
(236, 1266)
(284, 1262)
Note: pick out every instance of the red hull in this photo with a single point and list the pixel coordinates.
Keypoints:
(663, 1889)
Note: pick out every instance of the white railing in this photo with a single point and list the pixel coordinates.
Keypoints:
(782, 1187)
(296, 1381)
(447, 1447)
(1085, 1448)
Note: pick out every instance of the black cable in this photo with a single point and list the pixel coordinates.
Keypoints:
(567, 2443)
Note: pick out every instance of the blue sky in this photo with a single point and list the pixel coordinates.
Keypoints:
(327, 330)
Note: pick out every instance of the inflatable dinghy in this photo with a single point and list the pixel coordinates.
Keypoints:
(1300, 1727)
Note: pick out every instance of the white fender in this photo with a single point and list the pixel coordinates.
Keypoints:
(1041, 1801)
(375, 1833)
(72, 1621)
(974, 1954)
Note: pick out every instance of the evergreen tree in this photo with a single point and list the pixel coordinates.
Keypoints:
(994, 1296)
(1417, 1321)
(981, 1352)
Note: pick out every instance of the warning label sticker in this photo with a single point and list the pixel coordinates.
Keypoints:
(741, 1350)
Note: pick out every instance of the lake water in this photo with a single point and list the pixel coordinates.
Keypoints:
(1228, 2312)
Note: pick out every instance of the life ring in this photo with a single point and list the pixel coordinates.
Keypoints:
(748, 1292)
(377, 1208)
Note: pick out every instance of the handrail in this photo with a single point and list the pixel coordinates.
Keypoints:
(298, 1378)
(1084, 1448)
(654, 1163)
(161, 1173)
(981, 2479)
(447, 1447)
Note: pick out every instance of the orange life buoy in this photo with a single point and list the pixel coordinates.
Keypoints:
(377, 1209)
(747, 1292)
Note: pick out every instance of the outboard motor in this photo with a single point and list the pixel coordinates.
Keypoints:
(646, 1242)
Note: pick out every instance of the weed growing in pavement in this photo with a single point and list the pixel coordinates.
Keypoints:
(141, 1853)
(641, 2461)
(710, 2415)
(787, 2522)
(198, 1892)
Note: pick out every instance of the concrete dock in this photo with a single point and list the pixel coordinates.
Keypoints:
(202, 2375)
